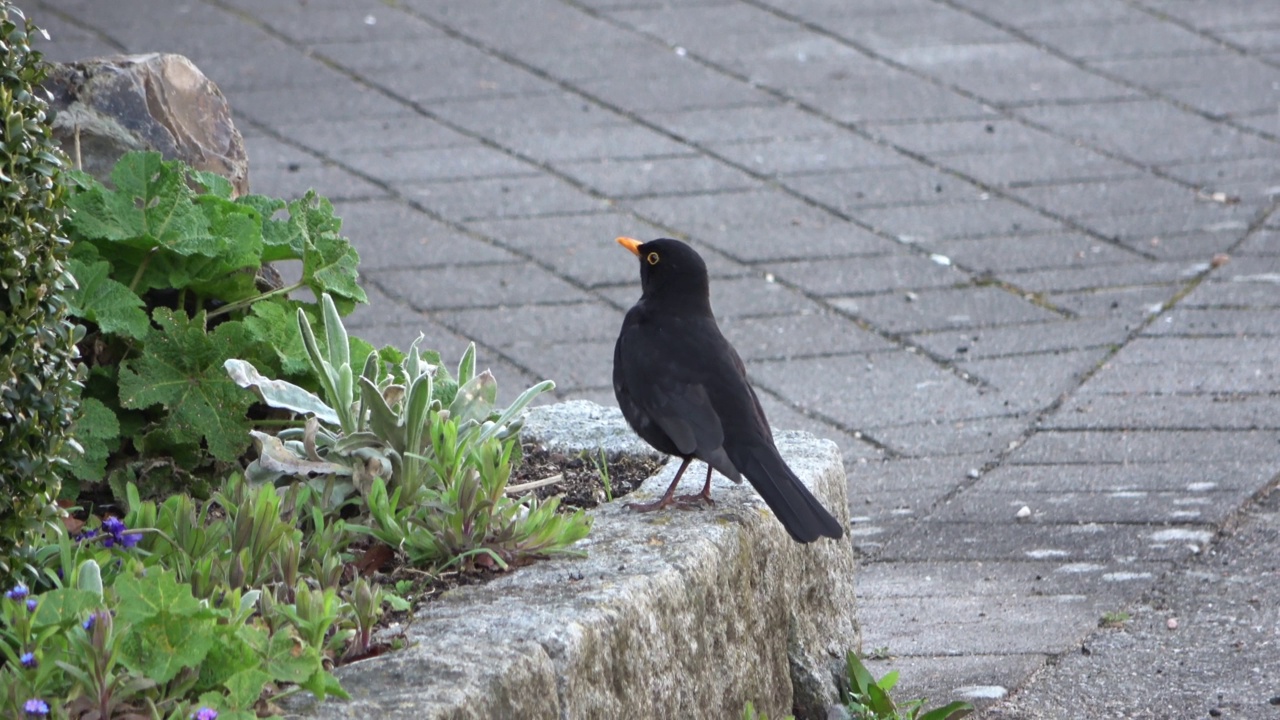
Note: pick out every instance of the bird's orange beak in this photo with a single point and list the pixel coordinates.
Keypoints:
(630, 244)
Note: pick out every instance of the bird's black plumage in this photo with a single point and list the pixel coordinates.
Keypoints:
(684, 390)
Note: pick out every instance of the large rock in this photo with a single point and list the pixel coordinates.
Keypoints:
(145, 102)
(684, 614)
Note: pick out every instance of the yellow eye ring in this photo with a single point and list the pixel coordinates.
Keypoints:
(651, 258)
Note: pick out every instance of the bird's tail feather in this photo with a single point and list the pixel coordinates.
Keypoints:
(799, 511)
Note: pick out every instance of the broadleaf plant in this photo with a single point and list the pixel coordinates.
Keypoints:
(173, 281)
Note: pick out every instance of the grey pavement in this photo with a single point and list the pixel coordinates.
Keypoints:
(1020, 259)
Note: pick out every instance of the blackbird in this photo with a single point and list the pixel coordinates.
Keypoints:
(683, 389)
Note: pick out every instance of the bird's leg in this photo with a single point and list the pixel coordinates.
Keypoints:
(667, 498)
(702, 497)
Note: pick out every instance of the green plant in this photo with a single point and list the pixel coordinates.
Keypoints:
(749, 713)
(429, 454)
(173, 280)
(601, 461)
(868, 698)
(1114, 619)
(39, 386)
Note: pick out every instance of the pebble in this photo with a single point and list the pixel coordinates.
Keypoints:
(1171, 623)
(1024, 513)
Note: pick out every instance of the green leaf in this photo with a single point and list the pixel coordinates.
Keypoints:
(951, 711)
(182, 371)
(312, 234)
(98, 432)
(245, 687)
(273, 323)
(289, 659)
(64, 606)
(155, 594)
(101, 300)
(150, 206)
(168, 628)
(279, 393)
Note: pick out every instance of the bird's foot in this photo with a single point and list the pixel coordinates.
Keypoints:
(667, 501)
(695, 499)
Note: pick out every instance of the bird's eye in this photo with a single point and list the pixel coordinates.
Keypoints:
(652, 258)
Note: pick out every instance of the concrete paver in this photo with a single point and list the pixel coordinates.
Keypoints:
(972, 241)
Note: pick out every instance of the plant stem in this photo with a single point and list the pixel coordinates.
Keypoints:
(142, 266)
(239, 304)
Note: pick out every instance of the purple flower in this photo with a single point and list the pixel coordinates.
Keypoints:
(205, 713)
(31, 604)
(88, 624)
(130, 539)
(28, 660)
(18, 592)
(87, 534)
(36, 707)
(113, 525)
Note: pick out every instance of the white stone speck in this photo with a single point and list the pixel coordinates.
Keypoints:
(1181, 535)
(986, 692)
(1045, 553)
(1126, 576)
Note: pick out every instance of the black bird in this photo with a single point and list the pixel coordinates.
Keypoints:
(683, 389)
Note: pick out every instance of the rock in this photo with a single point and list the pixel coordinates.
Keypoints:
(685, 614)
(145, 102)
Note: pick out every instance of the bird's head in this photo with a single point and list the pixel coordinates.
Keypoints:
(669, 268)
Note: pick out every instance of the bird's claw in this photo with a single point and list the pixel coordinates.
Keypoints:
(688, 501)
(649, 507)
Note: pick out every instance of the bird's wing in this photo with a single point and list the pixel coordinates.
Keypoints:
(667, 385)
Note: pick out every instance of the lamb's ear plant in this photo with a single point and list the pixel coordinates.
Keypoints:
(428, 454)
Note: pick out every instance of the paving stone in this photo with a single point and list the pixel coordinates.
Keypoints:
(1096, 477)
(1032, 382)
(1030, 15)
(433, 289)
(955, 437)
(659, 176)
(1215, 323)
(405, 131)
(543, 111)
(1126, 274)
(1128, 196)
(1262, 242)
(787, 156)
(483, 198)
(781, 338)
(770, 121)
(977, 625)
(1115, 579)
(756, 296)
(847, 191)
(1245, 352)
(580, 247)
(532, 324)
(1060, 162)
(895, 98)
(390, 235)
(292, 105)
(746, 227)
(1246, 291)
(922, 223)
(987, 136)
(365, 22)
(1169, 412)
(979, 505)
(1128, 39)
(1221, 224)
(1087, 542)
(889, 388)
(699, 88)
(405, 167)
(939, 309)
(1126, 128)
(878, 273)
(1127, 307)
(1150, 446)
(1011, 72)
(587, 364)
(998, 255)
(1019, 339)
(283, 171)
(615, 141)
(933, 475)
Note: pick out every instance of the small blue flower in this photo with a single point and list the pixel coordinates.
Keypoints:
(18, 592)
(205, 713)
(88, 624)
(131, 539)
(31, 604)
(86, 535)
(113, 525)
(28, 660)
(35, 707)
